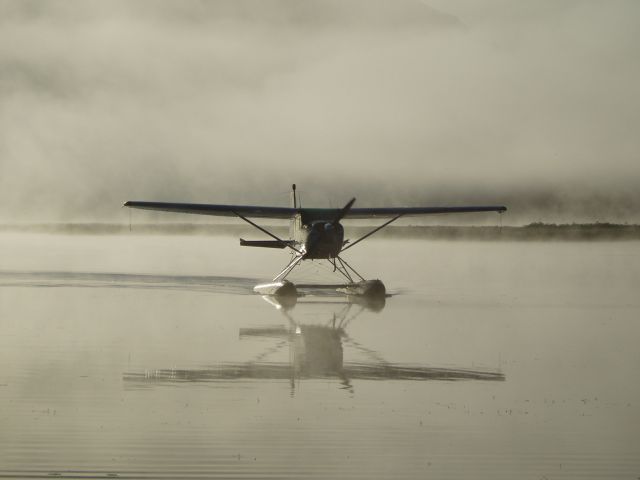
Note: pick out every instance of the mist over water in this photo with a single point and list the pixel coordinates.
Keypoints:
(407, 103)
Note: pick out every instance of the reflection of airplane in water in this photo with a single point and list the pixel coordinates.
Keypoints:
(315, 352)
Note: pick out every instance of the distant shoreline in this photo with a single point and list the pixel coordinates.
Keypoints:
(535, 231)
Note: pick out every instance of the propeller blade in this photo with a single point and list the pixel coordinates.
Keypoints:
(344, 210)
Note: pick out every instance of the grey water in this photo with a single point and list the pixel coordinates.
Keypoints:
(148, 356)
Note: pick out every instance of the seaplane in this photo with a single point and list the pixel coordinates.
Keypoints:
(315, 234)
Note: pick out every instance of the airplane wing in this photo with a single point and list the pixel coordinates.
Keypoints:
(410, 211)
(218, 210)
(329, 213)
(320, 213)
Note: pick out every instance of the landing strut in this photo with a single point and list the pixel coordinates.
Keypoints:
(355, 283)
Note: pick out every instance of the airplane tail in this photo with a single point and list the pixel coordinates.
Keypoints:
(265, 243)
(294, 204)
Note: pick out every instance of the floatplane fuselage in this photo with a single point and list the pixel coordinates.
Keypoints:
(315, 234)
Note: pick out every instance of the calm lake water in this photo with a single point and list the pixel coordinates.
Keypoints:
(138, 356)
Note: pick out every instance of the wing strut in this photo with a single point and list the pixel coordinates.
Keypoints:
(371, 233)
(279, 240)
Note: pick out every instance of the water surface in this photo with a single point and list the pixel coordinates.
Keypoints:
(150, 357)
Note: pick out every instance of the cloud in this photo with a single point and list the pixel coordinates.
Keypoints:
(390, 101)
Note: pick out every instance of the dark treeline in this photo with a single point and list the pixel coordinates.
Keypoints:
(532, 231)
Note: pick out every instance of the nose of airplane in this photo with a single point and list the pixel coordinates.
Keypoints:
(324, 240)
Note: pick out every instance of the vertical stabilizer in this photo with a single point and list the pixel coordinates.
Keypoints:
(295, 218)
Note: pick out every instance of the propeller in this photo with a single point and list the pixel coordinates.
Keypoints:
(344, 211)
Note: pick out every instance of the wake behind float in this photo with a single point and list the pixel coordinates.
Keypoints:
(285, 288)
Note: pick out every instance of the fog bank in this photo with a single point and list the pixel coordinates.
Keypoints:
(534, 106)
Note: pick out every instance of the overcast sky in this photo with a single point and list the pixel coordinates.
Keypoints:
(532, 104)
